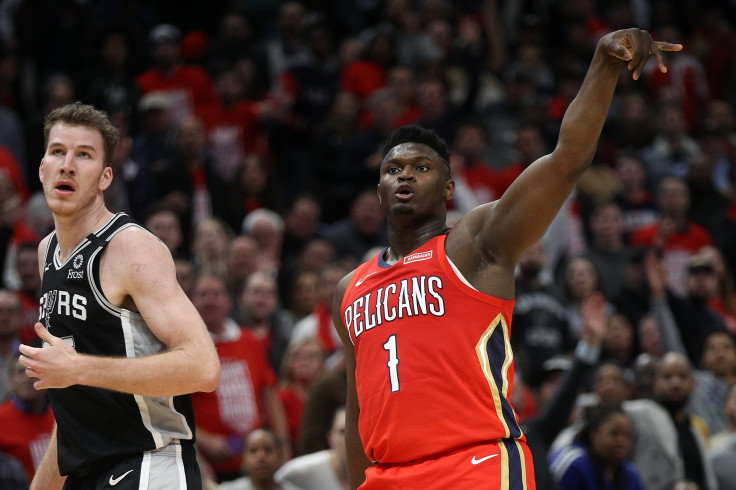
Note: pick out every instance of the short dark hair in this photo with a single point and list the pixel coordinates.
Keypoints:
(414, 133)
(79, 114)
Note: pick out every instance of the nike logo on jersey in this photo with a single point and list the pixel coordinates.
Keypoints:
(479, 461)
(115, 481)
(360, 281)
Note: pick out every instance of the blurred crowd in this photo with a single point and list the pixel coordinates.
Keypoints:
(250, 144)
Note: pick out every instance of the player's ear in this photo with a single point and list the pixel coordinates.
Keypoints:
(105, 178)
(449, 189)
(378, 191)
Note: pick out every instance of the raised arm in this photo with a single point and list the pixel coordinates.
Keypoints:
(356, 457)
(502, 230)
(669, 333)
(138, 267)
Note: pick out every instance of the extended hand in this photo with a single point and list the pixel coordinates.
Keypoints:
(635, 46)
(595, 322)
(53, 365)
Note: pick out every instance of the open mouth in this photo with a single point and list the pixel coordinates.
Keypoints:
(404, 193)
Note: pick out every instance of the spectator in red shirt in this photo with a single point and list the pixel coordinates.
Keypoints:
(675, 234)
(302, 364)
(246, 392)
(189, 86)
(26, 419)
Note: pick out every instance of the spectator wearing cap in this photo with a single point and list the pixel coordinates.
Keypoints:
(188, 86)
(693, 317)
(152, 148)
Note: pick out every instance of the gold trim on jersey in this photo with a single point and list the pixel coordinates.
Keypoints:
(504, 465)
(522, 460)
(485, 363)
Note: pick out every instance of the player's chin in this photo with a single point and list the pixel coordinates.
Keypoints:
(402, 208)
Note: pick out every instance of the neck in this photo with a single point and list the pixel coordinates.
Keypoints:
(404, 239)
(71, 229)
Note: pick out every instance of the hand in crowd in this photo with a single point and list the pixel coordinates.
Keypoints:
(214, 447)
(595, 323)
(656, 273)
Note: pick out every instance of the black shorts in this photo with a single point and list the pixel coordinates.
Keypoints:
(171, 467)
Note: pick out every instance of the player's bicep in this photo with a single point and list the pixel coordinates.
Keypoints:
(150, 280)
(525, 211)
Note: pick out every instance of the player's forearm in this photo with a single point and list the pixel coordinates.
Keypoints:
(584, 119)
(169, 373)
(47, 475)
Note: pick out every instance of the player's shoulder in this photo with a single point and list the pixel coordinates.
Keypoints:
(136, 242)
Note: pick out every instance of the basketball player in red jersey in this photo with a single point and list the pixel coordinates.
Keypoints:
(426, 323)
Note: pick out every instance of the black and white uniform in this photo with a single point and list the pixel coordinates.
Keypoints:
(99, 429)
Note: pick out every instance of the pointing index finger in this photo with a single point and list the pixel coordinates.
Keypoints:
(664, 46)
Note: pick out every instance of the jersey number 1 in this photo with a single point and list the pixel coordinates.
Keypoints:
(393, 362)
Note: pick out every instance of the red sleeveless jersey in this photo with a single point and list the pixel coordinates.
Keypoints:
(434, 367)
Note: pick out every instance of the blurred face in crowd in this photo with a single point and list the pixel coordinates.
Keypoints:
(702, 283)
(305, 293)
(609, 384)
(581, 278)
(22, 386)
(367, 214)
(719, 355)
(673, 382)
(210, 240)
(303, 218)
(316, 254)
(261, 455)
(165, 225)
(242, 256)
(533, 260)
(470, 142)
(673, 197)
(306, 362)
(27, 267)
(212, 301)
(611, 441)
(530, 144)
(11, 314)
(619, 338)
(260, 296)
(191, 139)
(607, 225)
(630, 173)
